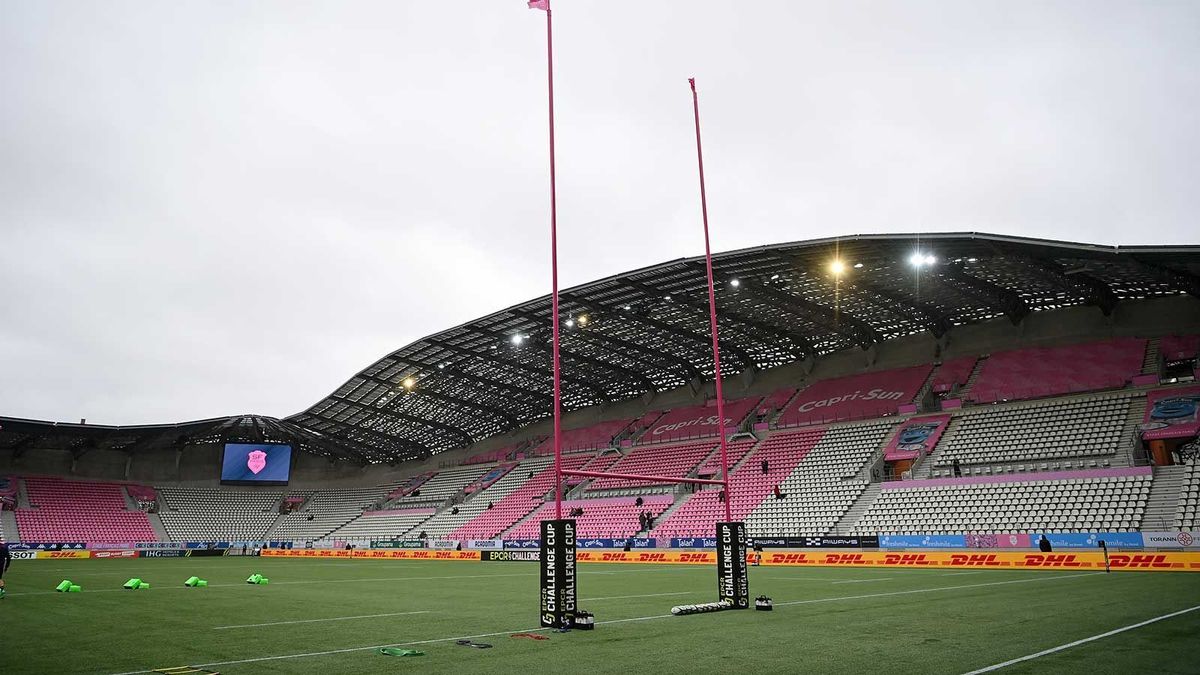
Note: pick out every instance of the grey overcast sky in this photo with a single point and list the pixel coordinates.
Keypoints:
(223, 207)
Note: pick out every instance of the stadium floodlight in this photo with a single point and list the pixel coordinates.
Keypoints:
(837, 267)
(517, 338)
(735, 283)
(583, 319)
(409, 383)
(570, 323)
(929, 260)
(916, 259)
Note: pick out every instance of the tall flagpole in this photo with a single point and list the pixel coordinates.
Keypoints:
(558, 487)
(712, 309)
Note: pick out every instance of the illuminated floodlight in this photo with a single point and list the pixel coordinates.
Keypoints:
(583, 319)
(929, 260)
(837, 267)
(517, 338)
(916, 259)
(735, 283)
(570, 323)
(409, 383)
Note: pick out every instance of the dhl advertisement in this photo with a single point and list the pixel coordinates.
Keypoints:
(1089, 560)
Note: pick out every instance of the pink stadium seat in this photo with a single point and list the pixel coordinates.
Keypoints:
(748, 485)
(75, 511)
(1048, 371)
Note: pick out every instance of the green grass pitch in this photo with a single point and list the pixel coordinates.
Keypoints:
(330, 616)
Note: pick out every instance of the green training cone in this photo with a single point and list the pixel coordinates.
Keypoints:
(254, 578)
(202, 583)
(63, 586)
(133, 583)
(75, 589)
(192, 581)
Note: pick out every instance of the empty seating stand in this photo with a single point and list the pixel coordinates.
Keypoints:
(326, 511)
(80, 511)
(1076, 433)
(390, 524)
(1189, 498)
(443, 485)
(448, 521)
(749, 486)
(1104, 500)
(676, 461)
(611, 517)
(519, 503)
(212, 514)
(824, 485)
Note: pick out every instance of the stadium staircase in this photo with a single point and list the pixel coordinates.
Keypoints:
(774, 421)
(1164, 498)
(1130, 438)
(1151, 363)
(22, 495)
(865, 501)
(925, 467)
(973, 377)
(922, 399)
(130, 502)
(8, 526)
(156, 523)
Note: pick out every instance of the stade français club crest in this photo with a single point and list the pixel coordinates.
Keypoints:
(256, 461)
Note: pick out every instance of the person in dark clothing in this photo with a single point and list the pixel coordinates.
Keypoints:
(779, 493)
(5, 560)
(957, 468)
(721, 496)
(766, 468)
(1044, 545)
(638, 502)
(490, 505)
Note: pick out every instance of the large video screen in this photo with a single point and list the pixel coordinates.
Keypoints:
(256, 464)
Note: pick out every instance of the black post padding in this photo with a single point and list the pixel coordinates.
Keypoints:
(558, 573)
(733, 583)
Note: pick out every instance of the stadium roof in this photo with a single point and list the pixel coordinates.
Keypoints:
(647, 331)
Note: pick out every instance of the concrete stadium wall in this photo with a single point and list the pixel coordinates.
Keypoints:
(200, 465)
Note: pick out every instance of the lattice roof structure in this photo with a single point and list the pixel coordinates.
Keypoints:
(647, 331)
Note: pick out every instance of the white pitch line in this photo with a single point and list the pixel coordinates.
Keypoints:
(1086, 640)
(861, 581)
(959, 574)
(648, 595)
(611, 621)
(336, 618)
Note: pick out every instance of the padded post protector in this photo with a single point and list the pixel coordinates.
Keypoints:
(733, 582)
(558, 573)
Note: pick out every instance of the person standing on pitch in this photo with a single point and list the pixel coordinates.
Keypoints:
(5, 559)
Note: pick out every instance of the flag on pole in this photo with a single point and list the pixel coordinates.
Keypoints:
(543, 5)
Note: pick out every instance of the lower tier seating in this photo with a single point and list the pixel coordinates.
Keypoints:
(964, 506)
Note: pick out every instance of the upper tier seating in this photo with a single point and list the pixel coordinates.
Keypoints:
(697, 421)
(329, 510)
(674, 461)
(1179, 347)
(697, 517)
(966, 506)
(1048, 371)
(605, 517)
(209, 514)
(824, 485)
(489, 523)
(594, 437)
(77, 511)
(444, 485)
(383, 525)
(953, 372)
(1055, 430)
(855, 397)
(1189, 499)
(447, 521)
